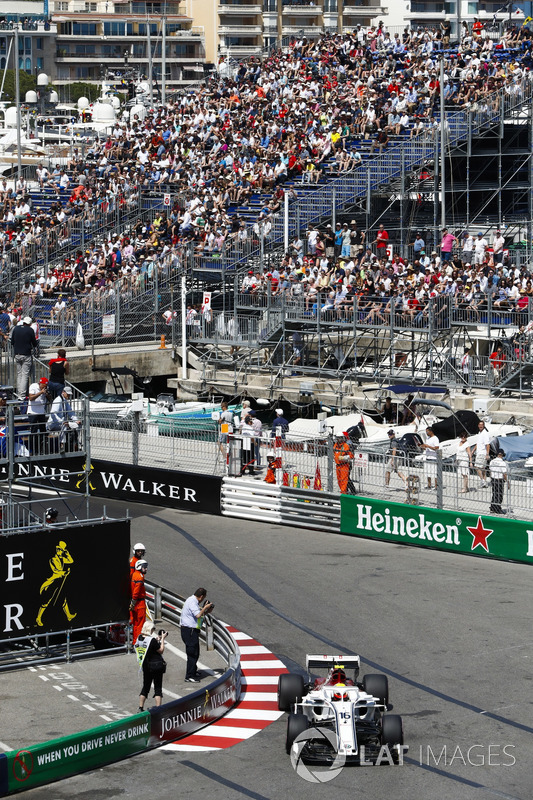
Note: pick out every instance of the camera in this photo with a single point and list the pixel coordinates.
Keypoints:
(208, 603)
(161, 632)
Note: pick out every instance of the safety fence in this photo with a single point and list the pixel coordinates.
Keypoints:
(37, 765)
(21, 258)
(129, 309)
(310, 464)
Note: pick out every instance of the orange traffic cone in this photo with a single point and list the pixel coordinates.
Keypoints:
(163, 345)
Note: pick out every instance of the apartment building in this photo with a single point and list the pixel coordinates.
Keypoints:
(432, 12)
(239, 28)
(36, 41)
(93, 37)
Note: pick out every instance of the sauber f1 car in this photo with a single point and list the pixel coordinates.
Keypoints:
(356, 711)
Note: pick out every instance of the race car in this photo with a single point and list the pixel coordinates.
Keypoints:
(355, 711)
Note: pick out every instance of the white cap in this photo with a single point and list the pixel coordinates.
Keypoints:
(279, 411)
(27, 320)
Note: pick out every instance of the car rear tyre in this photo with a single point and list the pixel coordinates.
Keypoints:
(290, 691)
(377, 686)
(391, 729)
(296, 724)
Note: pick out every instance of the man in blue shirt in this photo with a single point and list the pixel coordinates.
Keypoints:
(190, 622)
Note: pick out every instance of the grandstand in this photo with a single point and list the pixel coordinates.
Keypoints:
(231, 180)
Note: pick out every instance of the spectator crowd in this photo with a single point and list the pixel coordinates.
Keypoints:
(304, 114)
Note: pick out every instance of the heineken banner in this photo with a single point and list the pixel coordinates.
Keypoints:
(456, 531)
(59, 758)
(134, 484)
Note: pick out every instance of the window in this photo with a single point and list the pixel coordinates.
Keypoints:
(472, 8)
(39, 43)
(330, 5)
(27, 65)
(61, 6)
(153, 29)
(39, 63)
(90, 7)
(270, 5)
(85, 49)
(84, 28)
(114, 28)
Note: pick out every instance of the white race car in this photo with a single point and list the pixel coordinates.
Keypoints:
(355, 711)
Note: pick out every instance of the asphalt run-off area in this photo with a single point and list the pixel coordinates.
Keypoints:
(451, 632)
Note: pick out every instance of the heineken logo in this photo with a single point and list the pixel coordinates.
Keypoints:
(479, 534)
(415, 527)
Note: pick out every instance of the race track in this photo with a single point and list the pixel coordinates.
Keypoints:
(452, 633)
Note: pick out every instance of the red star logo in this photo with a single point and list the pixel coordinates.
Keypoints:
(480, 535)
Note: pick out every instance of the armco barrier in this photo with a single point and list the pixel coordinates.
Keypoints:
(456, 532)
(265, 502)
(40, 764)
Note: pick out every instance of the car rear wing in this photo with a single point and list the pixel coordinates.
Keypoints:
(332, 662)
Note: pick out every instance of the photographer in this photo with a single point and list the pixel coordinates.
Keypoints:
(37, 400)
(150, 650)
(191, 621)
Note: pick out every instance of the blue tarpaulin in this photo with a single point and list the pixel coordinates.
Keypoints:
(404, 388)
(516, 447)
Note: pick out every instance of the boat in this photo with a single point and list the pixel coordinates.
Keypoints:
(166, 417)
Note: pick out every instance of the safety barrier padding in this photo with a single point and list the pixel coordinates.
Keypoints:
(303, 508)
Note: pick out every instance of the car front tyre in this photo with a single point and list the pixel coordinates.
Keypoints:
(377, 686)
(290, 691)
(296, 724)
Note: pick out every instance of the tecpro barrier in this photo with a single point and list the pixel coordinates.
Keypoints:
(457, 532)
(187, 491)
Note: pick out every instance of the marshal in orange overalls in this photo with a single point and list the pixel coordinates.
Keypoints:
(343, 455)
(138, 604)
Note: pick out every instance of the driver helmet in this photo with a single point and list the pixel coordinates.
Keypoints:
(140, 564)
(339, 696)
(338, 676)
(139, 546)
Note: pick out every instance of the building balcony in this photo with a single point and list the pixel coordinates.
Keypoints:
(370, 10)
(240, 10)
(118, 60)
(425, 16)
(191, 33)
(304, 30)
(241, 50)
(302, 10)
(240, 30)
